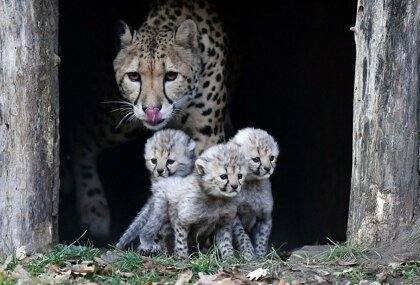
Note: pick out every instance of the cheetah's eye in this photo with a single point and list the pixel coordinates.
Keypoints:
(154, 160)
(271, 157)
(256, 159)
(170, 161)
(223, 176)
(134, 76)
(240, 176)
(171, 75)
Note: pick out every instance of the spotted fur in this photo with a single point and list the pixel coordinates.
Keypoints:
(252, 226)
(167, 153)
(198, 204)
(170, 72)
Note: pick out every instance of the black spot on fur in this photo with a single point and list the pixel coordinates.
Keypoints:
(209, 96)
(199, 105)
(204, 31)
(206, 84)
(207, 112)
(206, 130)
(184, 118)
(218, 77)
(211, 52)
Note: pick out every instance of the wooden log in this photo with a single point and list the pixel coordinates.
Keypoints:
(385, 178)
(29, 161)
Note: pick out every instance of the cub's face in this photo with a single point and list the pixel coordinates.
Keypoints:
(169, 152)
(222, 170)
(260, 149)
(157, 71)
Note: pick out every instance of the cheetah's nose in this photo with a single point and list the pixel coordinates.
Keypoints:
(234, 186)
(151, 107)
(159, 171)
(267, 169)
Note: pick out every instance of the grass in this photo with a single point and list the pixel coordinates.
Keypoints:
(344, 253)
(76, 264)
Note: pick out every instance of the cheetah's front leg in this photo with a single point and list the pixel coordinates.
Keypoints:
(181, 240)
(223, 238)
(241, 239)
(261, 235)
(91, 201)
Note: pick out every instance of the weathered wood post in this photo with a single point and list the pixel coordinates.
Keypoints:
(29, 136)
(385, 177)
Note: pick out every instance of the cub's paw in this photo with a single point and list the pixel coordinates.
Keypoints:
(149, 249)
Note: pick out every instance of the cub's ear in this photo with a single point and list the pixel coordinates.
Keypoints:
(191, 145)
(123, 35)
(200, 165)
(186, 34)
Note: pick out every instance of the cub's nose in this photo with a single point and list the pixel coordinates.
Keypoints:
(159, 171)
(234, 186)
(267, 169)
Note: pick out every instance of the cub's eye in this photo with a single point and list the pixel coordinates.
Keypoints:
(271, 157)
(154, 160)
(240, 176)
(223, 176)
(134, 76)
(256, 159)
(170, 161)
(171, 76)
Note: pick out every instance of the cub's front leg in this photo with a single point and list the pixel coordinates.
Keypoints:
(241, 239)
(261, 234)
(181, 239)
(223, 236)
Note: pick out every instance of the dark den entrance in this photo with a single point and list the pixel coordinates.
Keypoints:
(296, 82)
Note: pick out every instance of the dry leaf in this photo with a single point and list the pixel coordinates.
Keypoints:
(283, 282)
(124, 274)
(258, 274)
(226, 281)
(100, 261)
(347, 262)
(319, 279)
(21, 274)
(184, 277)
(205, 279)
(322, 272)
(20, 252)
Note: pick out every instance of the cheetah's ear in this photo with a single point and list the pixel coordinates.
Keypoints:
(200, 165)
(186, 34)
(123, 35)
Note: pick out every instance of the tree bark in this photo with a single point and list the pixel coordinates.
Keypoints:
(29, 160)
(385, 179)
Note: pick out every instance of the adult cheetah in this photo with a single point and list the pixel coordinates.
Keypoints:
(171, 73)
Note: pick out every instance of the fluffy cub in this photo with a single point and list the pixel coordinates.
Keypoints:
(167, 153)
(252, 226)
(197, 204)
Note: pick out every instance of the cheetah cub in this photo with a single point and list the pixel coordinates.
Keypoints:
(252, 226)
(200, 203)
(167, 153)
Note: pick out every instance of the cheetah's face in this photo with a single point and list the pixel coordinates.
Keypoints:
(260, 149)
(157, 71)
(223, 170)
(169, 152)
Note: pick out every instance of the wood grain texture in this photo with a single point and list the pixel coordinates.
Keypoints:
(29, 138)
(385, 185)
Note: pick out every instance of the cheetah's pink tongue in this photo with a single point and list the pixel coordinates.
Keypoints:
(153, 116)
